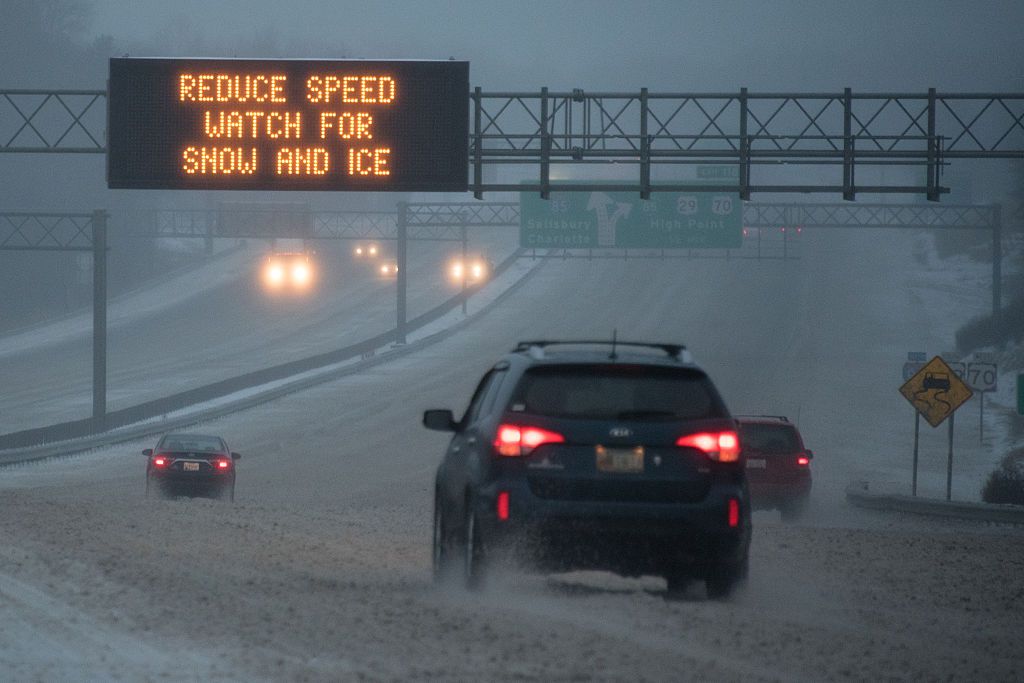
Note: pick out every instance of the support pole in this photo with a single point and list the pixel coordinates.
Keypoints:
(465, 262)
(848, 193)
(744, 149)
(545, 147)
(949, 461)
(917, 434)
(997, 262)
(478, 176)
(99, 319)
(981, 417)
(933, 153)
(645, 149)
(402, 280)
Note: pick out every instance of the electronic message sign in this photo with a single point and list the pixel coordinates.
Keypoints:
(254, 124)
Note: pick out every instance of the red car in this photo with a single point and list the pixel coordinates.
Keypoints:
(777, 463)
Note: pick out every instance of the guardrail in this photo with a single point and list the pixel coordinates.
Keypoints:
(859, 494)
(76, 429)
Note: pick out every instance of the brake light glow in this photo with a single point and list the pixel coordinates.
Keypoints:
(734, 512)
(803, 460)
(502, 505)
(223, 464)
(720, 446)
(159, 461)
(516, 440)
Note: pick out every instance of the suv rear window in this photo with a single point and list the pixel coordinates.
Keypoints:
(769, 439)
(617, 392)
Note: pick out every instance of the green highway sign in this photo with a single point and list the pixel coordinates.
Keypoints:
(709, 172)
(599, 219)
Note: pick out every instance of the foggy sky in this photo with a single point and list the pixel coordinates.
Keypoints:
(799, 45)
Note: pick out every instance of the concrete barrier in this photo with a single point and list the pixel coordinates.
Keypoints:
(372, 353)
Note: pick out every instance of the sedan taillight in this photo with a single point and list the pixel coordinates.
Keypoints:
(720, 446)
(161, 461)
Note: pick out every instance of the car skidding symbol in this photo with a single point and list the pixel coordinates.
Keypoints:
(936, 380)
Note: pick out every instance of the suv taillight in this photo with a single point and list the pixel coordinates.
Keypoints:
(518, 440)
(720, 446)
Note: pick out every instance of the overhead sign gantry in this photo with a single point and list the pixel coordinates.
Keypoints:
(253, 124)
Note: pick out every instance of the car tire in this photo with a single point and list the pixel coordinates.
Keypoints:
(474, 560)
(443, 564)
(723, 580)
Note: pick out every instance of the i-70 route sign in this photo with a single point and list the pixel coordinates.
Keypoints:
(982, 377)
(288, 124)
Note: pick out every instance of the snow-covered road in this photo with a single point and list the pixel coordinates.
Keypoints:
(213, 324)
(320, 571)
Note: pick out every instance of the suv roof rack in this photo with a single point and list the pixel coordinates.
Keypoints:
(782, 418)
(677, 351)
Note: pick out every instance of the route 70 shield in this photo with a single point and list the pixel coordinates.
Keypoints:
(936, 391)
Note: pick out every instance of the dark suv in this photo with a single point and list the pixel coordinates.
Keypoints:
(594, 455)
(778, 464)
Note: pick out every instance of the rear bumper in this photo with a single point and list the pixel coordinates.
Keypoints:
(192, 479)
(628, 538)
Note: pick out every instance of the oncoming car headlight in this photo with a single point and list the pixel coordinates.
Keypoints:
(274, 274)
(472, 272)
(301, 274)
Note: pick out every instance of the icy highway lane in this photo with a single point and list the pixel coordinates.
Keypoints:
(321, 570)
(226, 329)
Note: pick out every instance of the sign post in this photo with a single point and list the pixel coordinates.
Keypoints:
(915, 361)
(936, 391)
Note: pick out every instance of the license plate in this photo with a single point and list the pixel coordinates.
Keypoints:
(755, 463)
(190, 466)
(620, 460)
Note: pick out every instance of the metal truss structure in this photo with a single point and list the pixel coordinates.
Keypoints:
(434, 222)
(71, 232)
(46, 231)
(954, 217)
(653, 133)
(658, 130)
(66, 121)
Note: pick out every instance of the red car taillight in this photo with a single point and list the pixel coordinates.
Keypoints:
(803, 460)
(518, 440)
(720, 446)
(161, 461)
(734, 513)
(502, 505)
(220, 465)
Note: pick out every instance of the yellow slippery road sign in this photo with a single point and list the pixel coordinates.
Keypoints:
(936, 391)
